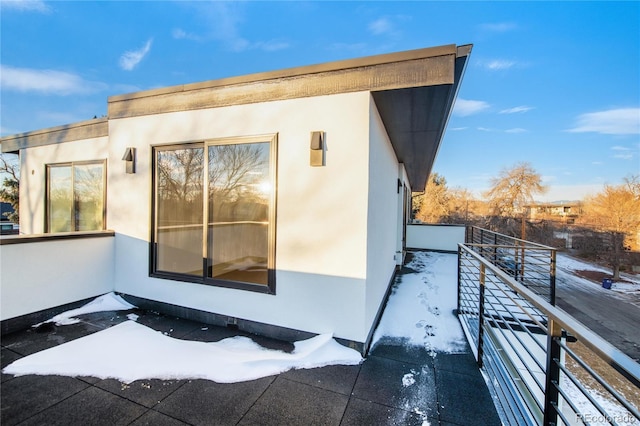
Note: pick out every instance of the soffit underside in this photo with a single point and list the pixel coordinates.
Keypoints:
(415, 119)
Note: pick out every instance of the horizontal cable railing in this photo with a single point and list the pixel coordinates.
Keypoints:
(544, 367)
(533, 265)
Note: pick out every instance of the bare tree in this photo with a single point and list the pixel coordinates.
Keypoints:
(441, 204)
(434, 203)
(616, 211)
(632, 183)
(512, 190)
(10, 191)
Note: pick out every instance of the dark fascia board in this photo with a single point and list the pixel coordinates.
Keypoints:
(95, 128)
(414, 68)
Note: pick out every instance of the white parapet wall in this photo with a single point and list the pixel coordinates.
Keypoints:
(44, 271)
(440, 237)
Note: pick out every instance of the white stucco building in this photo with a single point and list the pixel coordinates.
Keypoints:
(276, 202)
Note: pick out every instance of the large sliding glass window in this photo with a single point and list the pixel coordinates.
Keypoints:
(179, 182)
(76, 196)
(235, 246)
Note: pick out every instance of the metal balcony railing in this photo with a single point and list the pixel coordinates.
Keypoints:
(544, 366)
(533, 265)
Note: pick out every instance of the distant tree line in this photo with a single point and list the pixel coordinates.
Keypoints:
(607, 228)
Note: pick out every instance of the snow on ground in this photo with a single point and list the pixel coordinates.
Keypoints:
(420, 309)
(569, 264)
(130, 351)
(106, 302)
(589, 413)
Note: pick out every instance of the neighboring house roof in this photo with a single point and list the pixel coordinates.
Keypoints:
(414, 91)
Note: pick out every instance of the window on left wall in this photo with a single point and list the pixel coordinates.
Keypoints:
(76, 195)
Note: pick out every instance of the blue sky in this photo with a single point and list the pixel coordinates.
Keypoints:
(556, 84)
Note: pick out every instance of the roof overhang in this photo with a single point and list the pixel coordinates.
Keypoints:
(98, 127)
(416, 119)
(413, 90)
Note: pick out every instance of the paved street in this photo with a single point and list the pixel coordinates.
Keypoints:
(612, 315)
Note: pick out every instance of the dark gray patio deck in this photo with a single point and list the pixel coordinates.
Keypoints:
(449, 389)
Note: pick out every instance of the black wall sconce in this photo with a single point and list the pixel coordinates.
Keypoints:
(317, 148)
(130, 160)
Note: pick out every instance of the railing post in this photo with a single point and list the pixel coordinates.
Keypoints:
(481, 314)
(459, 277)
(554, 334)
(552, 279)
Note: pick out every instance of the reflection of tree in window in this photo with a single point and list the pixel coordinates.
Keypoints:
(237, 177)
(60, 199)
(75, 197)
(239, 212)
(180, 186)
(234, 241)
(88, 196)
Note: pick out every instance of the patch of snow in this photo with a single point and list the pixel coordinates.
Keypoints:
(130, 351)
(589, 413)
(422, 414)
(106, 302)
(133, 317)
(408, 380)
(420, 307)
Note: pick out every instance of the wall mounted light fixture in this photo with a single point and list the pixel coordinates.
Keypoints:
(317, 148)
(129, 158)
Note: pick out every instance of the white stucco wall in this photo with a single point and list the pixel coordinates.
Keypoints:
(322, 252)
(337, 225)
(42, 275)
(33, 175)
(382, 215)
(435, 237)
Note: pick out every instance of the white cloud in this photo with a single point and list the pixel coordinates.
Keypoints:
(499, 64)
(465, 107)
(499, 27)
(455, 129)
(222, 21)
(25, 5)
(388, 25)
(485, 129)
(515, 110)
(621, 121)
(179, 33)
(50, 82)
(129, 60)
(381, 26)
(516, 130)
(622, 153)
(624, 156)
(271, 45)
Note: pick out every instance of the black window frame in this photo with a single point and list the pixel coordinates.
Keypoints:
(270, 287)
